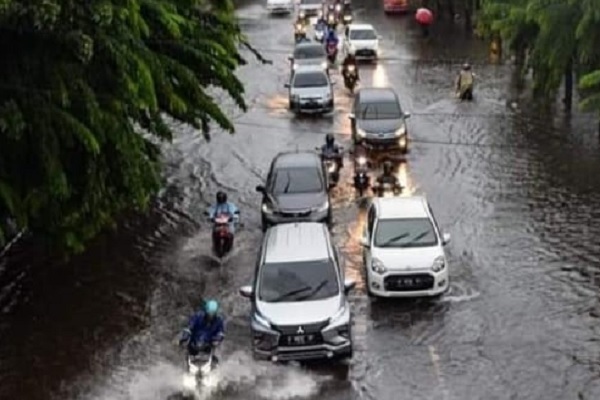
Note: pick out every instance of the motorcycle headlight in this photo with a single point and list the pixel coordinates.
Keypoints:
(438, 265)
(351, 68)
(400, 131)
(338, 7)
(361, 160)
(267, 208)
(298, 27)
(194, 369)
(378, 267)
(205, 368)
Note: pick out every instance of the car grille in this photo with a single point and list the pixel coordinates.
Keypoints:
(365, 53)
(315, 327)
(408, 283)
(303, 214)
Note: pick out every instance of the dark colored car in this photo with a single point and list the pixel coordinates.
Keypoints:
(378, 120)
(309, 53)
(297, 190)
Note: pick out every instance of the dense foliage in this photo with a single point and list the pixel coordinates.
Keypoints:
(557, 39)
(79, 81)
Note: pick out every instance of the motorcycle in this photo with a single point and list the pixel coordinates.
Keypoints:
(222, 238)
(350, 77)
(332, 50)
(387, 189)
(332, 166)
(198, 370)
(347, 19)
(320, 32)
(361, 176)
(332, 21)
(299, 32)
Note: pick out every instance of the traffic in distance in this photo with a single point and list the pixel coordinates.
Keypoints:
(299, 305)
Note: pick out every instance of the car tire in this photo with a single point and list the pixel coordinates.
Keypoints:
(264, 225)
(329, 219)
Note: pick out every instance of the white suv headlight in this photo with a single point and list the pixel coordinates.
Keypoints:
(323, 208)
(439, 264)
(378, 267)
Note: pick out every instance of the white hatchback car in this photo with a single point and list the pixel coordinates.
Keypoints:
(404, 249)
(362, 40)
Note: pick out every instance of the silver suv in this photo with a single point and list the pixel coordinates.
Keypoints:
(299, 305)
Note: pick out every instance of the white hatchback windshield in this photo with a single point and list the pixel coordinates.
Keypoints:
(410, 232)
(310, 79)
(362, 34)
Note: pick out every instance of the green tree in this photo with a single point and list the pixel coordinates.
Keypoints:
(559, 38)
(84, 91)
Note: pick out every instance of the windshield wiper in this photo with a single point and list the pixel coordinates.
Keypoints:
(314, 291)
(417, 237)
(363, 115)
(287, 185)
(392, 240)
(290, 293)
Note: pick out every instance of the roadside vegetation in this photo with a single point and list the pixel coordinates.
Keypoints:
(84, 91)
(558, 41)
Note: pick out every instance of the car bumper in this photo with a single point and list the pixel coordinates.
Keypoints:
(312, 108)
(280, 8)
(278, 218)
(384, 143)
(366, 54)
(379, 287)
(305, 353)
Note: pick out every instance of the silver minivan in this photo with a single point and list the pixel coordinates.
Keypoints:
(299, 306)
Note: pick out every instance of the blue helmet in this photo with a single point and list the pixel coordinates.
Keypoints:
(211, 307)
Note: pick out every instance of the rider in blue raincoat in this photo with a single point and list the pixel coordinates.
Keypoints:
(332, 37)
(225, 207)
(206, 329)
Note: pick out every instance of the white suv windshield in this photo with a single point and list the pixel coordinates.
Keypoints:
(362, 34)
(413, 232)
(298, 281)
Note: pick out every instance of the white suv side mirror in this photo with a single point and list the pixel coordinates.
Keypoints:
(445, 238)
(246, 291)
(364, 241)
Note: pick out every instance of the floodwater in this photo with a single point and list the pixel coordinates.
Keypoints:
(515, 187)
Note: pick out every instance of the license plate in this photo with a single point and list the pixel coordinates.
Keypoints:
(300, 339)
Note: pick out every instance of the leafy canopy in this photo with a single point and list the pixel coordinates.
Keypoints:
(555, 34)
(80, 81)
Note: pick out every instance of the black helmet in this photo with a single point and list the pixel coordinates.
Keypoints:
(221, 198)
(329, 139)
(466, 66)
(388, 168)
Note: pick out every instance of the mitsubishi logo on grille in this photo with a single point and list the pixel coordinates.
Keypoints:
(300, 331)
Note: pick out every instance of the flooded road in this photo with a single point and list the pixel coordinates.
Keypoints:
(515, 188)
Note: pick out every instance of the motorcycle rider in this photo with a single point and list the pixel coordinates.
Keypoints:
(331, 150)
(465, 79)
(388, 177)
(223, 206)
(331, 39)
(206, 329)
(349, 60)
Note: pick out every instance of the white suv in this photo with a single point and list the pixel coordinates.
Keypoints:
(280, 6)
(404, 249)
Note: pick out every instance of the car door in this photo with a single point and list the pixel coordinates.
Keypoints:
(368, 235)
